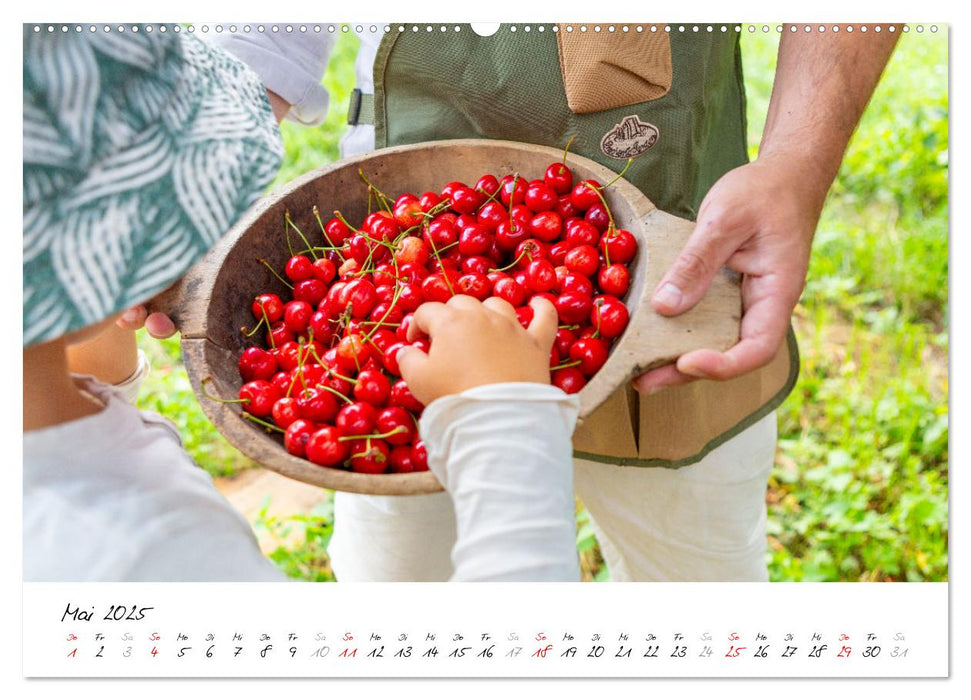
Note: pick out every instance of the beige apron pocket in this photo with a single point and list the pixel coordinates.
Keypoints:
(606, 70)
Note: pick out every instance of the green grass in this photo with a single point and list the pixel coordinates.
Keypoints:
(859, 490)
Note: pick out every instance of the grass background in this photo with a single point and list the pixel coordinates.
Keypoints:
(859, 489)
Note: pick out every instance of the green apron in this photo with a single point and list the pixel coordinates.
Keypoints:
(511, 85)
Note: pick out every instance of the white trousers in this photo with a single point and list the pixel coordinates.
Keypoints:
(704, 522)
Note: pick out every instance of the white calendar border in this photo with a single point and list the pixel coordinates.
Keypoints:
(431, 11)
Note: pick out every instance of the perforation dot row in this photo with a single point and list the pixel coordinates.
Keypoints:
(374, 28)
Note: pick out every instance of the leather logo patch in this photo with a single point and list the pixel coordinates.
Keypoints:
(629, 139)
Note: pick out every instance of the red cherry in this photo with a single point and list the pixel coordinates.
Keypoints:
(583, 259)
(401, 396)
(559, 178)
(510, 290)
(559, 250)
(390, 358)
(573, 307)
(476, 265)
(440, 232)
(285, 412)
(369, 456)
(614, 279)
(525, 315)
(297, 315)
(279, 334)
(540, 197)
(474, 240)
(419, 456)
(352, 353)
(407, 212)
(400, 460)
(256, 363)
(258, 397)
(475, 285)
(326, 448)
(398, 422)
(508, 236)
(569, 379)
(336, 232)
(429, 201)
(564, 207)
(597, 216)
(546, 226)
(512, 190)
(271, 304)
(324, 270)
(487, 185)
(412, 249)
(310, 290)
(436, 288)
(372, 387)
(356, 418)
(491, 215)
(318, 405)
(582, 233)
(299, 268)
(609, 316)
(619, 246)
(465, 200)
(564, 341)
(296, 436)
(584, 195)
(574, 282)
(592, 354)
(541, 276)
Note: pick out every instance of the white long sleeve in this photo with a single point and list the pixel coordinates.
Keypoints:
(291, 64)
(504, 454)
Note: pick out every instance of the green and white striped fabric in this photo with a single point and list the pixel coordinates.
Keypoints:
(140, 151)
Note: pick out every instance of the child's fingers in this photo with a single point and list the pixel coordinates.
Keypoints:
(544, 323)
(501, 307)
(427, 315)
(133, 318)
(159, 325)
(413, 365)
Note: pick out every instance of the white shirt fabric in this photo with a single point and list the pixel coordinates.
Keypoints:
(504, 454)
(114, 497)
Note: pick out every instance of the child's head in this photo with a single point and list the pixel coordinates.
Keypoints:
(141, 149)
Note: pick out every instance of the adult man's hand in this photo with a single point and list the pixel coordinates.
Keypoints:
(760, 218)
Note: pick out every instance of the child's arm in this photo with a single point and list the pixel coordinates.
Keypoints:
(111, 355)
(498, 438)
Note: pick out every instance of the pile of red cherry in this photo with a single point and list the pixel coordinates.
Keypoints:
(327, 377)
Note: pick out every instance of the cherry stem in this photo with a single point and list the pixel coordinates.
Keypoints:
(340, 217)
(564, 365)
(512, 264)
(205, 392)
(269, 326)
(377, 436)
(275, 274)
(448, 282)
(567, 149)
(268, 426)
(323, 232)
(620, 174)
(299, 233)
(335, 392)
(385, 201)
(599, 193)
(250, 334)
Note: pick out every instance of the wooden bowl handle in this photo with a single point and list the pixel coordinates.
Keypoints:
(652, 340)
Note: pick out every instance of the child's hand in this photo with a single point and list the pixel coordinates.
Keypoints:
(157, 324)
(475, 343)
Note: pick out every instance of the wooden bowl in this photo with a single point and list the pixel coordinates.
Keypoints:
(212, 302)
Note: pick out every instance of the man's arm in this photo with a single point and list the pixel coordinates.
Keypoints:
(760, 218)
